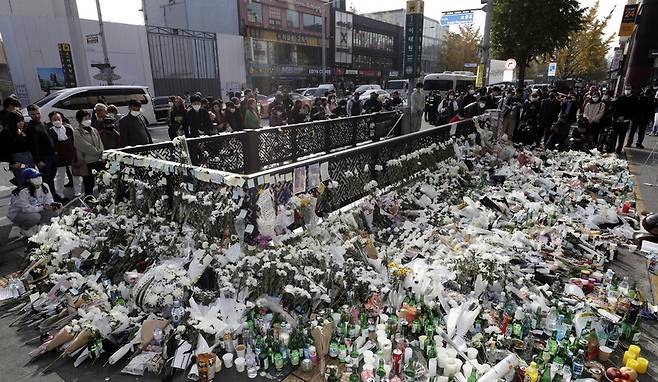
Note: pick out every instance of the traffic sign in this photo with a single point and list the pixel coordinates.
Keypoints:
(413, 38)
(457, 19)
(552, 69)
(510, 64)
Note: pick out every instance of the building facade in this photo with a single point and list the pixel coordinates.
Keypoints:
(283, 42)
(365, 50)
(433, 34)
(45, 40)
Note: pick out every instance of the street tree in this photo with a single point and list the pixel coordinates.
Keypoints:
(459, 48)
(585, 55)
(525, 30)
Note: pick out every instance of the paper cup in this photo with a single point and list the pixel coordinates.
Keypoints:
(239, 364)
(228, 360)
(604, 353)
(240, 350)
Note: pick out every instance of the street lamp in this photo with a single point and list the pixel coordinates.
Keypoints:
(324, 40)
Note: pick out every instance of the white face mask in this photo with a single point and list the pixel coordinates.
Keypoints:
(595, 99)
(57, 123)
(628, 92)
(471, 92)
(232, 110)
(196, 107)
(482, 105)
(36, 181)
(135, 113)
(86, 122)
(533, 98)
(451, 97)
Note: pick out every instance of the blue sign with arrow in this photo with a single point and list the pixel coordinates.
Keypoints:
(457, 19)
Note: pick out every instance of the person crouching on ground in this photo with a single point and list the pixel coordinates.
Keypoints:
(33, 202)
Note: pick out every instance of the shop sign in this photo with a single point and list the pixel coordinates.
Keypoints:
(393, 73)
(413, 38)
(370, 73)
(352, 72)
(292, 69)
(283, 37)
(66, 58)
(628, 20)
(344, 37)
(318, 71)
(260, 70)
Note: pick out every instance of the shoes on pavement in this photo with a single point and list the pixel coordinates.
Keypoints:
(639, 146)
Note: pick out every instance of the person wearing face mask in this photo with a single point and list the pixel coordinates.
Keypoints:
(217, 117)
(297, 114)
(251, 117)
(477, 108)
(197, 119)
(32, 203)
(448, 108)
(232, 118)
(113, 112)
(9, 105)
(548, 112)
(44, 150)
(624, 111)
(570, 107)
(354, 105)
(469, 98)
(88, 151)
(133, 127)
(593, 113)
(100, 112)
(62, 135)
(528, 131)
(417, 105)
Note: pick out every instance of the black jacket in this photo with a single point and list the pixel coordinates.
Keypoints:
(134, 131)
(530, 111)
(43, 146)
(196, 123)
(234, 120)
(468, 99)
(372, 106)
(296, 116)
(549, 111)
(626, 107)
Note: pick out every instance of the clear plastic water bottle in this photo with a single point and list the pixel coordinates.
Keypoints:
(177, 313)
(561, 328)
(624, 286)
(551, 322)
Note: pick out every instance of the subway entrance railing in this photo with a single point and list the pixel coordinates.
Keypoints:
(213, 182)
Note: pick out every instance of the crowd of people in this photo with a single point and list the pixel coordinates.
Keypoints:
(578, 119)
(36, 150)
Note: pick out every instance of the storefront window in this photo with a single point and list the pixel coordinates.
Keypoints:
(255, 13)
(312, 23)
(293, 19)
(308, 55)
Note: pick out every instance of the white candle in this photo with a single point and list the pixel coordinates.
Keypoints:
(431, 367)
(387, 348)
(451, 367)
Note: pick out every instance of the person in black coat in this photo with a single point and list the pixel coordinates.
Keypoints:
(197, 120)
(233, 118)
(625, 110)
(297, 114)
(43, 151)
(548, 112)
(570, 107)
(372, 105)
(176, 117)
(645, 112)
(133, 127)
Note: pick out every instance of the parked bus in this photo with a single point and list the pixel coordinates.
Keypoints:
(446, 81)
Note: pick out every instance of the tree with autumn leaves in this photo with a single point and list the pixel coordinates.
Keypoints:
(460, 48)
(585, 56)
(526, 30)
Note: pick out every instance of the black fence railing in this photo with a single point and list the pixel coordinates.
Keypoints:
(153, 180)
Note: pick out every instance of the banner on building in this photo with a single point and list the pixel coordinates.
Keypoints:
(66, 58)
(627, 26)
(343, 38)
(283, 37)
(51, 78)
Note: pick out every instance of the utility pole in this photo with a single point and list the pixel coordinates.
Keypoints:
(485, 40)
(107, 69)
(324, 45)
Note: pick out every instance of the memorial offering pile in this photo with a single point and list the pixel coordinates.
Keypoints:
(493, 264)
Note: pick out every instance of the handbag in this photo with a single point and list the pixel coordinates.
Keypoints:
(79, 168)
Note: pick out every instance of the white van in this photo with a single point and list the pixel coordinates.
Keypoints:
(69, 101)
(401, 86)
(443, 82)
